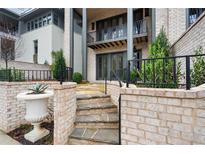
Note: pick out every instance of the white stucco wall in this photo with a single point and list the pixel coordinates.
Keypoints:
(77, 52)
(91, 65)
(57, 38)
(49, 38)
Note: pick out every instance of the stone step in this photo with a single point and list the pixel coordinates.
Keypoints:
(96, 125)
(94, 136)
(96, 98)
(95, 118)
(96, 108)
(96, 111)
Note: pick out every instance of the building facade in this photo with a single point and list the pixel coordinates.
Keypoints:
(99, 42)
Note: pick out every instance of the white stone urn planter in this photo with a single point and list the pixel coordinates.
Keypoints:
(36, 112)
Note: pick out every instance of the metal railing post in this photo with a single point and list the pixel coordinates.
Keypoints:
(128, 74)
(188, 82)
(105, 85)
(61, 75)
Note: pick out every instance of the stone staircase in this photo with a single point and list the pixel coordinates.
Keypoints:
(96, 121)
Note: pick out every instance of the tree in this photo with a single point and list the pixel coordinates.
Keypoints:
(198, 71)
(160, 72)
(11, 43)
(58, 66)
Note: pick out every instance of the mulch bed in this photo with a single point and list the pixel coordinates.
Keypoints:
(18, 134)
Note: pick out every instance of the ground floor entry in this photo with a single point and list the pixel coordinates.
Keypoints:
(111, 65)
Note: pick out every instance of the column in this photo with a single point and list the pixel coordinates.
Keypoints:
(129, 33)
(153, 24)
(68, 36)
(84, 44)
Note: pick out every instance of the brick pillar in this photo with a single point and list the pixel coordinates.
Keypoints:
(64, 111)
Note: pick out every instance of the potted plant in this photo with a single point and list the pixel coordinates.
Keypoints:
(36, 110)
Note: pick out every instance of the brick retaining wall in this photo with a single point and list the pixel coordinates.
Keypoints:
(163, 116)
(63, 103)
(12, 111)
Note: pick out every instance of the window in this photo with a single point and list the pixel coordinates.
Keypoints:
(32, 25)
(55, 19)
(40, 22)
(107, 64)
(49, 19)
(36, 24)
(111, 28)
(93, 26)
(44, 20)
(35, 55)
(28, 26)
(193, 14)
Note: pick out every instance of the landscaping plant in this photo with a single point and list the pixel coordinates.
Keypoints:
(159, 72)
(58, 66)
(38, 88)
(198, 71)
(77, 77)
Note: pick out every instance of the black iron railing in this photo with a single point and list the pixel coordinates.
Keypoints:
(34, 75)
(167, 72)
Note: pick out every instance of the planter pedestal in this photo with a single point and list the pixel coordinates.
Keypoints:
(36, 112)
(37, 133)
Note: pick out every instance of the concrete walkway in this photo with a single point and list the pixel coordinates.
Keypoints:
(7, 140)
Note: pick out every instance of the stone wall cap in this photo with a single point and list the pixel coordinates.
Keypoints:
(197, 92)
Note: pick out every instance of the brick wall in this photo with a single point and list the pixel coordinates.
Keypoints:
(12, 111)
(64, 112)
(173, 20)
(163, 116)
(63, 104)
(191, 39)
(113, 89)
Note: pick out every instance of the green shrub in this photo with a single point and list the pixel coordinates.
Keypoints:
(154, 73)
(198, 71)
(77, 77)
(133, 76)
(12, 75)
(58, 66)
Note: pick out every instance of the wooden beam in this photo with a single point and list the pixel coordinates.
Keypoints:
(107, 45)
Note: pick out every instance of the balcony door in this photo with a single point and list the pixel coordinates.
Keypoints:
(109, 64)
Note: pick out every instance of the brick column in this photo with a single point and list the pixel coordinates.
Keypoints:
(64, 111)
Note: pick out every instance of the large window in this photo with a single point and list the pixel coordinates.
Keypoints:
(193, 14)
(111, 28)
(39, 22)
(110, 64)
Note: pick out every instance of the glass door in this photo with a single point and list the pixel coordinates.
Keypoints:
(102, 64)
(117, 65)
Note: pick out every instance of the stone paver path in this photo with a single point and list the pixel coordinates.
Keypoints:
(7, 140)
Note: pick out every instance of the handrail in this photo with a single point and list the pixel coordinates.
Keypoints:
(117, 77)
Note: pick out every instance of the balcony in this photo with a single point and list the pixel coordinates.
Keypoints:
(7, 31)
(117, 36)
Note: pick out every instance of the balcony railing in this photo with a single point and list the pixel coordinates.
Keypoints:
(140, 27)
(117, 32)
(8, 31)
